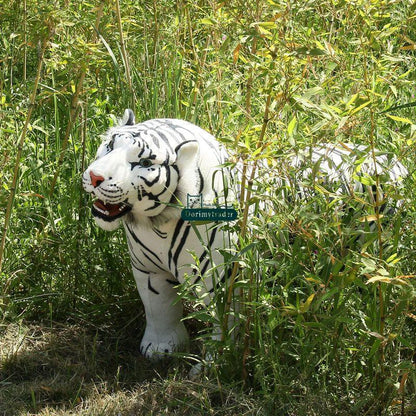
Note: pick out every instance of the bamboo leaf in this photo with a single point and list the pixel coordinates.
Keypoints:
(400, 119)
(291, 126)
(389, 280)
(207, 21)
(398, 107)
(304, 307)
(370, 218)
(360, 107)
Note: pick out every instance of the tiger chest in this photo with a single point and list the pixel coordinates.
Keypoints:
(164, 249)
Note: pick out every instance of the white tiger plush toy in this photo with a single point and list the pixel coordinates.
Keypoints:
(142, 177)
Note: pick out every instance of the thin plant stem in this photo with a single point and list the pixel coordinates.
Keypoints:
(155, 24)
(25, 40)
(245, 197)
(32, 104)
(72, 115)
(125, 56)
(260, 144)
(380, 376)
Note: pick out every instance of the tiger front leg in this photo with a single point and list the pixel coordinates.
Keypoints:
(165, 332)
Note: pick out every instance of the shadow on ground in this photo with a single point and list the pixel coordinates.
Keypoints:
(69, 369)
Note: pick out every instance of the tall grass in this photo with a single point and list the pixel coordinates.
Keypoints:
(326, 318)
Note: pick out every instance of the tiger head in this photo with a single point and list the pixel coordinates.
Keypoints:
(142, 172)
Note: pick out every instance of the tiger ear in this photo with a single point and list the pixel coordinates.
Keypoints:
(187, 155)
(128, 118)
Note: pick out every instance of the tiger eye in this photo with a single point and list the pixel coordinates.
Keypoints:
(145, 163)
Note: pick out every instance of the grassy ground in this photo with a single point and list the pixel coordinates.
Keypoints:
(73, 370)
(69, 369)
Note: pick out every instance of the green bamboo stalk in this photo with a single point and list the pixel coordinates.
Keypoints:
(72, 115)
(74, 106)
(24, 40)
(155, 25)
(380, 376)
(125, 56)
(260, 144)
(32, 105)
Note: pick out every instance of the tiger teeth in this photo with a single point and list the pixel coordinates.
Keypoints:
(101, 210)
(110, 210)
(105, 212)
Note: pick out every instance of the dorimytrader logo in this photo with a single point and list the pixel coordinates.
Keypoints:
(195, 211)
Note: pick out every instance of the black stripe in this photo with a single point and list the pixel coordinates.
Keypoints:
(198, 133)
(220, 283)
(154, 206)
(151, 288)
(166, 140)
(109, 197)
(176, 168)
(201, 181)
(135, 258)
(174, 237)
(167, 183)
(144, 352)
(140, 193)
(150, 183)
(211, 241)
(140, 270)
(156, 141)
(181, 243)
(203, 270)
(175, 128)
(225, 276)
(111, 191)
(135, 238)
(203, 255)
(159, 233)
(143, 193)
(167, 159)
(183, 143)
(141, 152)
(180, 247)
(152, 261)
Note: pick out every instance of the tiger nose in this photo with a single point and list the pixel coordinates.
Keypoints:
(96, 180)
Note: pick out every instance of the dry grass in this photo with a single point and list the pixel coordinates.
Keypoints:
(87, 371)
(69, 370)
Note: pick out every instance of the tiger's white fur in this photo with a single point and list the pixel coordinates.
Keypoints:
(141, 178)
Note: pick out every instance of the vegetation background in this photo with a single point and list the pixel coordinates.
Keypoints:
(330, 328)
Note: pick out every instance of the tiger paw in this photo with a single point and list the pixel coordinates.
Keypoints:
(156, 346)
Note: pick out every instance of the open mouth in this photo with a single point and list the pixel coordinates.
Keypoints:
(109, 212)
